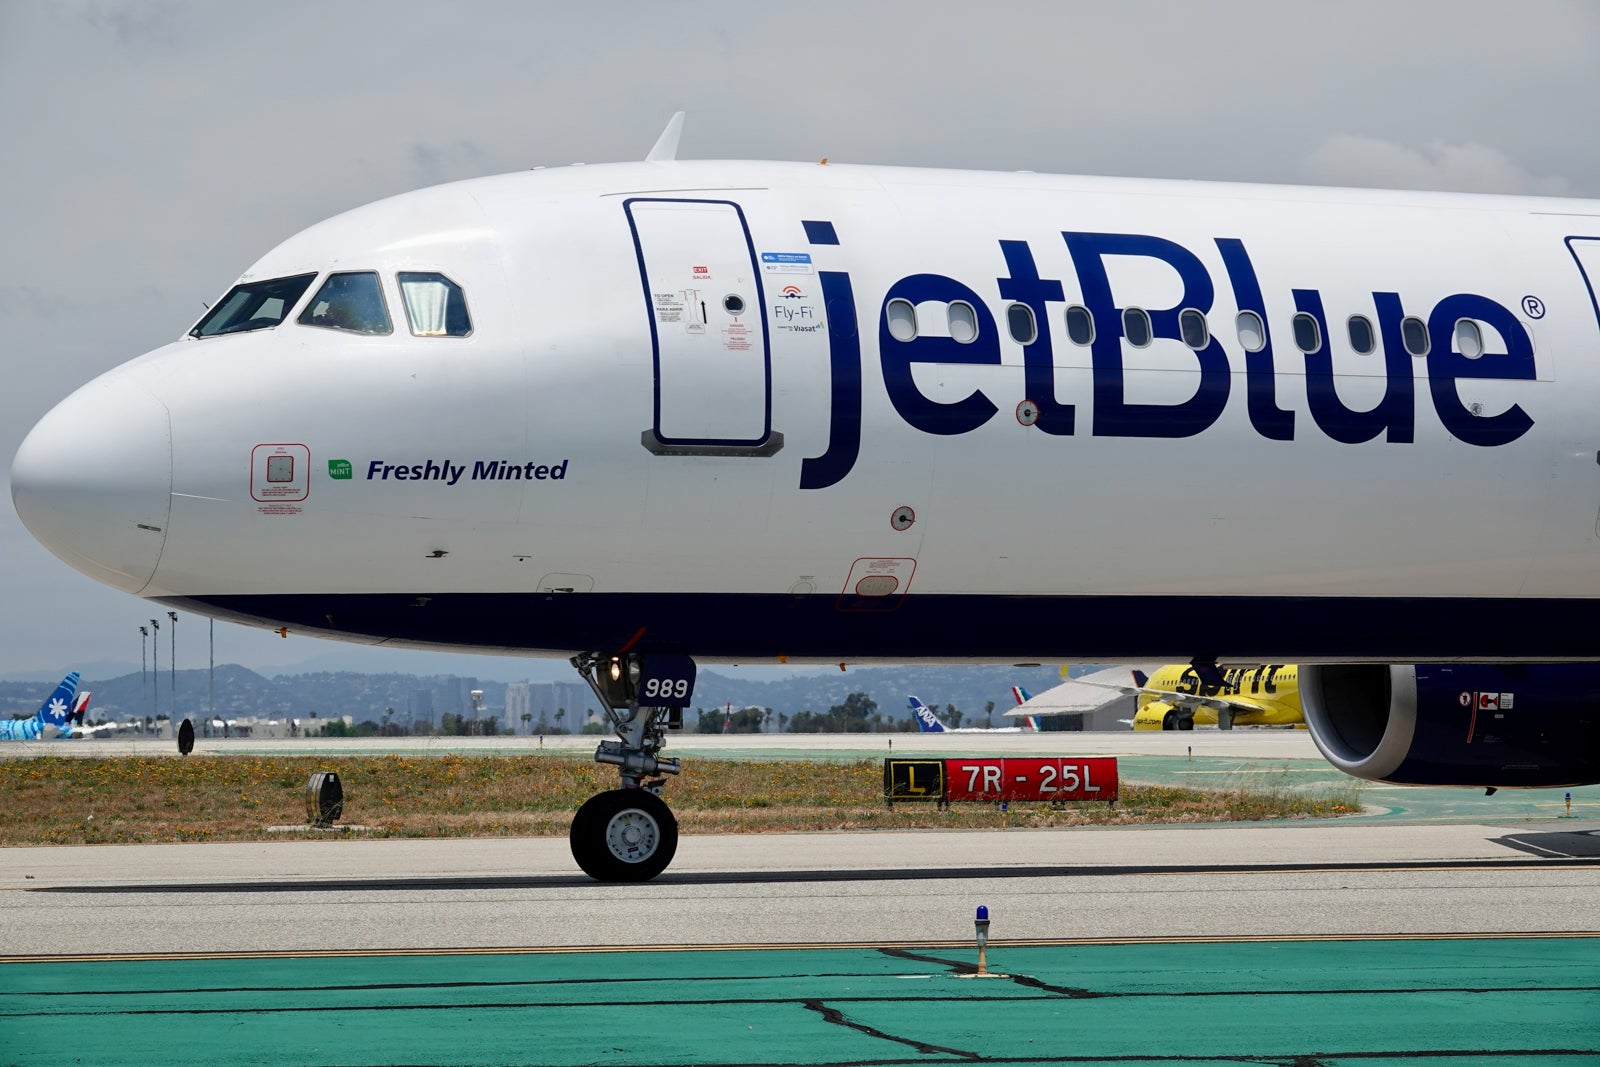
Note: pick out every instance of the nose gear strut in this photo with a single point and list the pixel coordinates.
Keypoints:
(629, 834)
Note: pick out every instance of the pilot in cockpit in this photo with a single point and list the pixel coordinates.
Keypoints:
(350, 302)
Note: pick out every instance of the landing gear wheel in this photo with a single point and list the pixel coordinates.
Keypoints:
(624, 835)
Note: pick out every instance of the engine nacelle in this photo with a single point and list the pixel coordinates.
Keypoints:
(1457, 723)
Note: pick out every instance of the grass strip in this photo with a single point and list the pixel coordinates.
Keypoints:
(137, 799)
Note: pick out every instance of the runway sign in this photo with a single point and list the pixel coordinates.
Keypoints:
(913, 779)
(1090, 778)
(1000, 780)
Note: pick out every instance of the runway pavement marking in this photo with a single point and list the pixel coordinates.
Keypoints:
(1515, 860)
(1191, 1002)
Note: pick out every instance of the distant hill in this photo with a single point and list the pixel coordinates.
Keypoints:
(243, 692)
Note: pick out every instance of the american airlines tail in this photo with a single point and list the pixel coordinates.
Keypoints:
(56, 712)
(927, 721)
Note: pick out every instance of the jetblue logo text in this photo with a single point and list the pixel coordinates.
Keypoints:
(1265, 393)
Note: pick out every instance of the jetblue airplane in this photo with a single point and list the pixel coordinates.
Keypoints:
(652, 413)
(928, 722)
(53, 719)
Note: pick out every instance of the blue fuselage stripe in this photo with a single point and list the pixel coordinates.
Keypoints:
(943, 627)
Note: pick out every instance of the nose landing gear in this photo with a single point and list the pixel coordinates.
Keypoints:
(624, 835)
(629, 834)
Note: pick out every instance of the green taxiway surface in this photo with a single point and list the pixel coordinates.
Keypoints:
(1446, 1003)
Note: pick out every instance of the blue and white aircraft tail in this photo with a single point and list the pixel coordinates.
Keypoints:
(55, 713)
(928, 722)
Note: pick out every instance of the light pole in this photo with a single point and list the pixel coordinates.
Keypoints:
(155, 666)
(144, 659)
(173, 665)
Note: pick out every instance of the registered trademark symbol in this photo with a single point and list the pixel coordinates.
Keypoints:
(1533, 306)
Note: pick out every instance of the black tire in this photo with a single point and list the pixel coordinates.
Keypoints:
(1186, 723)
(624, 835)
(1169, 721)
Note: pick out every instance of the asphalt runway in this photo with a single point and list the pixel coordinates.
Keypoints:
(1307, 944)
(351, 895)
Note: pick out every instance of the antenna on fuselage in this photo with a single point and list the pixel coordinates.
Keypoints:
(666, 148)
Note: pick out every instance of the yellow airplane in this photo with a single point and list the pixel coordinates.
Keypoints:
(1174, 698)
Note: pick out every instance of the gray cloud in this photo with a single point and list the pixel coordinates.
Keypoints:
(1345, 159)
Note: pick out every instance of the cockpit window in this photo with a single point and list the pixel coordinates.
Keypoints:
(253, 306)
(352, 301)
(435, 305)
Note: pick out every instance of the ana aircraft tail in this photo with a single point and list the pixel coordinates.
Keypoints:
(927, 721)
(56, 711)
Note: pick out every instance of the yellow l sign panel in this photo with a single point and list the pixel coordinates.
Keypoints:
(913, 779)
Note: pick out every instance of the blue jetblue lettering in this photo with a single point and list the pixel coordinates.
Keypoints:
(1393, 414)
(1260, 376)
(1113, 416)
(1039, 368)
(844, 359)
(1446, 366)
(898, 357)
(927, 406)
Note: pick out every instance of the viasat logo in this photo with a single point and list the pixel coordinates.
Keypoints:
(340, 469)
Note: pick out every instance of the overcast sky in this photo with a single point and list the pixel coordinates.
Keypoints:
(150, 151)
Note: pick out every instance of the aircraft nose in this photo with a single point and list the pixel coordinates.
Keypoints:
(93, 481)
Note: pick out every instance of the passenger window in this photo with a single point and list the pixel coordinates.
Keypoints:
(1362, 338)
(902, 318)
(352, 301)
(1307, 334)
(1136, 326)
(1196, 331)
(1252, 331)
(253, 306)
(1080, 325)
(1469, 339)
(963, 322)
(1414, 332)
(435, 305)
(1020, 321)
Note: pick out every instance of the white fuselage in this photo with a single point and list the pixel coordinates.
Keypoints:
(683, 419)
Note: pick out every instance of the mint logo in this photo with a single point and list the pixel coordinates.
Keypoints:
(339, 469)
